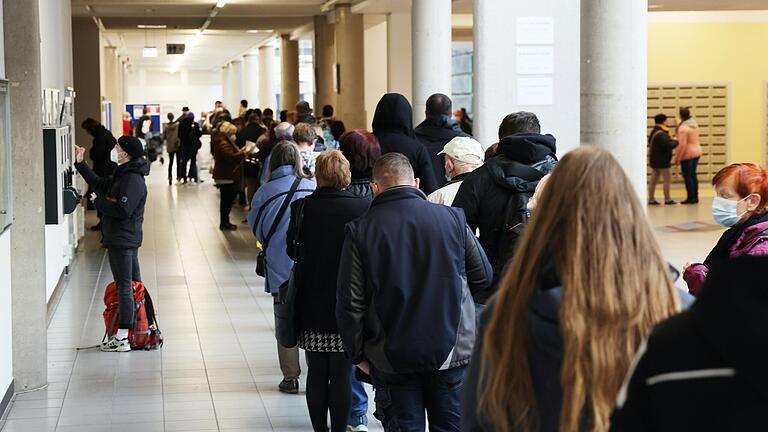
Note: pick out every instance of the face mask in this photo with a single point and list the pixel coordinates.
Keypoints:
(725, 211)
(448, 178)
(114, 157)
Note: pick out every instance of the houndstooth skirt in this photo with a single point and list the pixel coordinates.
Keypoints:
(320, 342)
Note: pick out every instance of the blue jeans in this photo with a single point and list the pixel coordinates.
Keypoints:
(403, 399)
(688, 169)
(359, 398)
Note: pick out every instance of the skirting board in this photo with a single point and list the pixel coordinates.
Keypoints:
(6, 401)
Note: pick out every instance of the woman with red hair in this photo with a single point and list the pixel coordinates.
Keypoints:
(741, 205)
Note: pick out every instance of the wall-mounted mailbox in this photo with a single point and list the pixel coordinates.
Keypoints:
(61, 197)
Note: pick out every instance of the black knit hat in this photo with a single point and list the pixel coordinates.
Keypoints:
(132, 146)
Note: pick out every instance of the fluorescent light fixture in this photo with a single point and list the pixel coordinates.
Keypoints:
(221, 3)
(149, 51)
(260, 31)
(152, 26)
(196, 38)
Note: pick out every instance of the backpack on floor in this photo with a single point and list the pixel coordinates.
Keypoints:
(145, 334)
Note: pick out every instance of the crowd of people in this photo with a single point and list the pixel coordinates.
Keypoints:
(480, 290)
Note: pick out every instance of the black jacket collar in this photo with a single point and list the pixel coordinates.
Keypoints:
(398, 193)
(527, 148)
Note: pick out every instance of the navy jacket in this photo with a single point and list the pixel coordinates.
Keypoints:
(407, 273)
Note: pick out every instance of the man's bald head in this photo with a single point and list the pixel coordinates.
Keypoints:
(392, 170)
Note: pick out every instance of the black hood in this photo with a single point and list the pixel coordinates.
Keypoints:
(517, 176)
(393, 114)
(441, 126)
(730, 315)
(527, 149)
(136, 165)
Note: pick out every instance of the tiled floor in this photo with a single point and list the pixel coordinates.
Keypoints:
(218, 369)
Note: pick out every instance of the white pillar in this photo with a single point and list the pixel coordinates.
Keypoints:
(226, 84)
(614, 82)
(251, 80)
(238, 86)
(431, 41)
(267, 78)
(498, 76)
(399, 65)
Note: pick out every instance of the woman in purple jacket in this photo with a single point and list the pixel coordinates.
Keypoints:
(742, 205)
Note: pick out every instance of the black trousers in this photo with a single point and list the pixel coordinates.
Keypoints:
(179, 164)
(328, 389)
(688, 168)
(228, 194)
(190, 157)
(125, 269)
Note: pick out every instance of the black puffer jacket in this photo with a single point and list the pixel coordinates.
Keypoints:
(520, 162)
(435, 132)
(705, 369)
(120, 198)
(361, 187)
(103, 143)
(393, 126)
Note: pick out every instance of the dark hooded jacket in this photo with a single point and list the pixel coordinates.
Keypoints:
(393, 126)
(251, 133)
(435, 132)
(520, 162)
(705, 369)
(120, 198)
(103, 143)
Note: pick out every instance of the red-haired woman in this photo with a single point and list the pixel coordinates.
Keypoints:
(362, 150)
(742, 205)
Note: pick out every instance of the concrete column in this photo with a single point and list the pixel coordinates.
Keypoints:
(226, 84)
(289, 79)
(21, 29)
(614, 82)
(325, 59)
(399, 64)
(86, 54)
(350, 99)
(251, 80)
(498, 77)
(238, 86)
(431, 36)
(267, 77)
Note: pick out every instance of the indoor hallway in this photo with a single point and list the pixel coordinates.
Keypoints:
(218, 369)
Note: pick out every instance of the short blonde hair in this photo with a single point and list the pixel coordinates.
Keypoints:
(227, 128)
(332, 170)
(304, 133)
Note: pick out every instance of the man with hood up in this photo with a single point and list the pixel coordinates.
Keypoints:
(495, 196)
(393, 126)
(436, 131)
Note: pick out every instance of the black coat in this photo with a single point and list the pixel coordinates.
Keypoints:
(361, 187)
(661, 148)
(188, 129)
(517, 168)
(393, 126)
(120, 199)
(103, 143)
(435, 132)
(251, 133)
(321, 237)
(705, 369)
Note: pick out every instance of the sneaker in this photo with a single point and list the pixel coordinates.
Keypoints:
(228, 227)
(670, 202)
(358, 424)
(653, 202)
(290, 386)
(115, 345)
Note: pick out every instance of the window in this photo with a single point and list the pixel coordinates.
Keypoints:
(5, 158)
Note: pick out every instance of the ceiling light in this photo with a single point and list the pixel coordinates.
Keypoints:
(221, 3)
(152, 26)
(149, 51)
(260, 31)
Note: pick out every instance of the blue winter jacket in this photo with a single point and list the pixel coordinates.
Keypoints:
(271, 196)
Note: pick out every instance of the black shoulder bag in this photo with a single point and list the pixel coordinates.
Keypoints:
(285, 305)
(261, 259)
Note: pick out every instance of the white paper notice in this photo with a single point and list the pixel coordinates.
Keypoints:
(535, 60)
(535, 31)
(534, 91)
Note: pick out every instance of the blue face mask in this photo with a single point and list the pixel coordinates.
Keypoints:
(726, 212)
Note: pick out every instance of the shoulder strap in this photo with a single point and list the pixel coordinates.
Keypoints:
(299, 221)
(281, 212)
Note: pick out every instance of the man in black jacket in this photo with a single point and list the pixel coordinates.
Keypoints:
(661, 144)
(404, 307)
(436, 131)
(704, 370)
(103, 143)
(393, 126)
(121, 198)
(495, 196)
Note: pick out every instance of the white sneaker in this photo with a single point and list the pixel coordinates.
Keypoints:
(115, 345)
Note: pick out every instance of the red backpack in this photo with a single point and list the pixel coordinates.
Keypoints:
(145, 335)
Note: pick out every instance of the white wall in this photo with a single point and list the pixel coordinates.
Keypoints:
(196, 89)
(375, 49)
(56, 43)
(6, 349)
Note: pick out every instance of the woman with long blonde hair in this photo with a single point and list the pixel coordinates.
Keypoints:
(581, 293)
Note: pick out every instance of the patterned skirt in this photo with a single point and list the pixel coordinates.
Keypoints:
(320, 342)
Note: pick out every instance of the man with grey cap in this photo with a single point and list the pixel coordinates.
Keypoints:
(462, 156)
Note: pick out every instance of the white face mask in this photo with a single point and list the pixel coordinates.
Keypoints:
(114, 157)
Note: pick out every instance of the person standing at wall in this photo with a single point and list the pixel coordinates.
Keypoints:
(662, 145)
(121, 198)
(172, 145)
(688, 153)
(103, 143)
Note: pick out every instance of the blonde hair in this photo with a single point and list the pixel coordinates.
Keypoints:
(227, 128)
(590, 227)
(332, 170)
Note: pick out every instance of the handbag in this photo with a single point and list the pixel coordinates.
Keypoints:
(261, 258)
(285, 303)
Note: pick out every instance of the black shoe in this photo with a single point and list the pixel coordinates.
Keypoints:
(690, 202)
(96, 227)
(670, 202)
(289, 386)
(653, 202)
(227, 227)
(170, 182)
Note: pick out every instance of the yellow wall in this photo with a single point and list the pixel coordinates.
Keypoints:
(727, 52)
